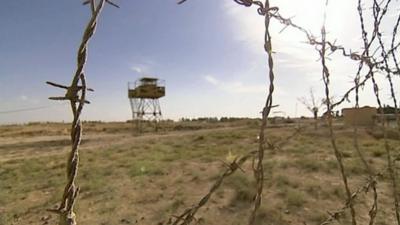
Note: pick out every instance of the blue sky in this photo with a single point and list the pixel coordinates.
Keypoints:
(209, 52)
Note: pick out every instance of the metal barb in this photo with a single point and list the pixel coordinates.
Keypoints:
(76, 94)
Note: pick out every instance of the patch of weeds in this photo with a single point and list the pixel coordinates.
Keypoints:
(381, 221)
(368, 144)
(330, 165)
(243, 187)
(269, 166)
(270, 214)
(207, 158)
(346, 154)
(285, 164)
(309, 165)
(26, 176)
(338, 192)
(378, 152)
(283, 181)
(355, 166)
(195, 176)
(317, 217)
(313, 189)
(199, 138)
(178, 202)
(108, 210)
(220, 193)
(4, 219)
(295, 198)
(142, 168)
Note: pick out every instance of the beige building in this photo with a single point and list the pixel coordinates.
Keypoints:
(364, 116)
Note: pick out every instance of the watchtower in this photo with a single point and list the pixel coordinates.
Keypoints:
(144, 96)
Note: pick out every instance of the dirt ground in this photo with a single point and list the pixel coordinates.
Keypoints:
(130, 178)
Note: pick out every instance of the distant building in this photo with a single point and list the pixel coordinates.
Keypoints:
(144, 95)
(363, 116)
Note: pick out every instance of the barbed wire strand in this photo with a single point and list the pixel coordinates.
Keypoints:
(76, 95)
(385, 60)
(394, 35)
(377, 20)
(338, 154)
(335, 216)
(374, 208)
(189, 214)
(258, 167)
(331, 47)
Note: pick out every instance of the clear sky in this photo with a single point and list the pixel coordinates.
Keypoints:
(210, 52)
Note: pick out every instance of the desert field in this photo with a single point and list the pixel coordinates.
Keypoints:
(148, 178)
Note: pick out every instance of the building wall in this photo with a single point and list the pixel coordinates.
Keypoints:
(364, 116)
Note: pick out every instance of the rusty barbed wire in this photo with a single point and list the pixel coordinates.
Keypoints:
(394, 57)
(76, 95)
(378, 15)
(374, 208)
(385, 58)
(338, 154)
(258, 168)
(394, 35)
(384, 55)
(189, 214)
(335, 216)
(277, 145)
(333, 47)
(367, 44)
(326, 47)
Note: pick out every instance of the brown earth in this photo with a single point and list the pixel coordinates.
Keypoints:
(126, 178)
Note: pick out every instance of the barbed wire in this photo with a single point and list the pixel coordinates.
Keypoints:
(394, 57)
(76, 95)
(394, 35)
(335, 216)
(374, 208)
(337, 152)
(258, 166)
(325, 47)
(26, 109)
(378, 15)
(332, 47)
(189, 214)
(385, 59)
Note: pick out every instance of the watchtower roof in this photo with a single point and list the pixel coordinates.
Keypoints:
(148, 79)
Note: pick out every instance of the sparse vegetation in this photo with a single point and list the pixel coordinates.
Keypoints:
(148, 177)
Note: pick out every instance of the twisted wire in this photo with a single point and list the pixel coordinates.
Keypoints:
(335, 216)
(188, 215)
(326, 47)
(338, 154)
(377, 19)
(259, 167)
(394, 35)
(76, 94)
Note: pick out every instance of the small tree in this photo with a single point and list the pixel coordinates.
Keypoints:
(312, 105)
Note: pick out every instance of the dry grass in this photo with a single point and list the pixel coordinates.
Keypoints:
(126, 178)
